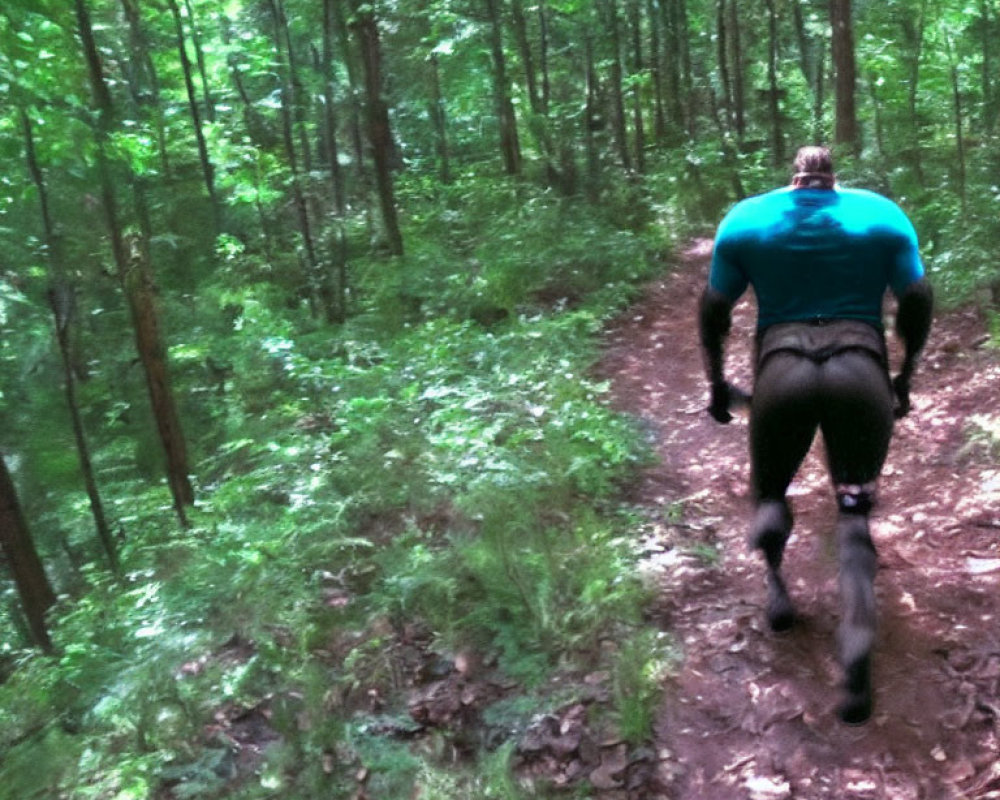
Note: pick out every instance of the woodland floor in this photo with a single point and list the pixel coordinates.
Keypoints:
(750, 714)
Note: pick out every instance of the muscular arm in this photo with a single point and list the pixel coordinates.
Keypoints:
(913, 324)
(714, 321)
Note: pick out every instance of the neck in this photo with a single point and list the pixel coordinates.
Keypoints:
(813, 180)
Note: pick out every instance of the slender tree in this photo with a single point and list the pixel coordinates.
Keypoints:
(207, 167)
(379, 132)
(160, 391)
(62, 303)
(619, 124)
(510, 146)
(846, 132)
(774, 89)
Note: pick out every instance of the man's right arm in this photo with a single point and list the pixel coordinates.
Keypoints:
(714, 322)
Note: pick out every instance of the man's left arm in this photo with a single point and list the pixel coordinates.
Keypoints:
(913, 325)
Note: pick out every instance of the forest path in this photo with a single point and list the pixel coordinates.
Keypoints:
(750, 714)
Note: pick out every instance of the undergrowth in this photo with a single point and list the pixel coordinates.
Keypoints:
(443, 462)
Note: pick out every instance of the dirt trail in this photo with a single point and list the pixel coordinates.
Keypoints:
(750, 714)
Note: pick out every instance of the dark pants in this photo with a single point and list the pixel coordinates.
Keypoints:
(847, 396)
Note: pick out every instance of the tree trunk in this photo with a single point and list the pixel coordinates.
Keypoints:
(635, 24)
(811, 64)
(543, 56)
(687, 68)
(618, 121)
(656, 71)
(774, 98)
(510, 146)
(879, 125)
(956, 89)
(912, 26)
(311, 270)
(736, 59)
(722, 60)
(207, 168)
(440, 122)
(143, 77)
(19, 552)
(520, 26)
(199, 54)
(989, 108)
(330, 114)
(173, 443)
(379, 132)
(846, 127)
(591, 121)
(137, 283)
(62, 303)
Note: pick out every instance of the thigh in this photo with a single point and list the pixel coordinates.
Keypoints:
(856, 417)
(783, 420)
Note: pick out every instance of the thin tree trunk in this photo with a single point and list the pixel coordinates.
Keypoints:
(635, 23)
(19, 551)
(177, 471)
(543, 55)
(591, 121)
(774, 99)
(989, 107)
(722, 59)
(956, 90)
(846, 126)
(330, 113)
(379, 132)
(140, 292)
(520, 26)
(879, 125)
(510, 147)
(739, 92)
(619, 125)
(61, 302)
(687, 68)
(912, 26)
(355, 91)
(199, 54)
(207, 168)
(311, 271)
(440, 121)
(145, 77)
(811, 64)
(656, 71)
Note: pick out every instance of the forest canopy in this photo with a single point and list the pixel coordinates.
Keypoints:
(300, 301)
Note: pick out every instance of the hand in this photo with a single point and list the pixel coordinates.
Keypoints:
(901, 388)
(725, 397)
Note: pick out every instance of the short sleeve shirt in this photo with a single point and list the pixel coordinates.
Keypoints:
(813, 254)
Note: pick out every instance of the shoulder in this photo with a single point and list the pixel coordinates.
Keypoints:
(876, 209)
(750, 212)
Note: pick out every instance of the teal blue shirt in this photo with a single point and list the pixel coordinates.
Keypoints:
(815, 254)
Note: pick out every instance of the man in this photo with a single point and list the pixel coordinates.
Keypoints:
(819, 258)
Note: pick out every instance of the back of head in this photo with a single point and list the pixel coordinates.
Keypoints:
(813, 168)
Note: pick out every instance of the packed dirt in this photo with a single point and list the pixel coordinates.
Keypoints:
(750, 714)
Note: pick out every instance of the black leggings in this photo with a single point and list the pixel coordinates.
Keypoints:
(847, 396)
